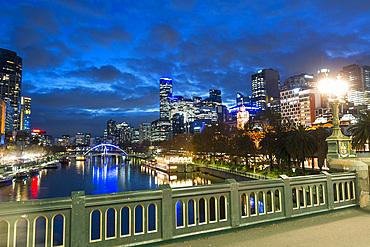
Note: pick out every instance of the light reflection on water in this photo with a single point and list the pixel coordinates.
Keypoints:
(97, 175)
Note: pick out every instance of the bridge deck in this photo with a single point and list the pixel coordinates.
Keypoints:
(349, 227)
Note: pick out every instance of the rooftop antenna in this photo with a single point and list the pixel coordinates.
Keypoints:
(322, 59)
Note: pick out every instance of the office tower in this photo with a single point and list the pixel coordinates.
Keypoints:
(9, 116)
(197, 100)
(111, 131)
(303, 80)
(80, 139)
(124, 132)
(87, 139)
(243, 100)
(299, 105)
(161, 130)
(265, 88)
(165, 93)
(144, 132)
(11, 80)
(135, 136)
(322, 74)
(25, 116)
(358, 77)
(215, 95)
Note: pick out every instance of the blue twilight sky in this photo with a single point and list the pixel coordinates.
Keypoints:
(85, 62)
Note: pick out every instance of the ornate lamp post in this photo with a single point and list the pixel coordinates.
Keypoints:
(338, 144)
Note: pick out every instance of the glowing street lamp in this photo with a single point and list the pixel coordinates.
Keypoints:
(338, 144)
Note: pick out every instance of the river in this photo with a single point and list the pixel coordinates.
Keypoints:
(97, 176)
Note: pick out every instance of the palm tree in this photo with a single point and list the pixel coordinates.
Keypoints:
(320, 135)
(361, 131)
(300, 145)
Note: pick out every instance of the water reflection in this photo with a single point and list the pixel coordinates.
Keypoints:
(97, 175)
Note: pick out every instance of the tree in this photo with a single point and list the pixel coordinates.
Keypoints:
(242, 145)
(361, 131)
(300, 145)
(320, 135)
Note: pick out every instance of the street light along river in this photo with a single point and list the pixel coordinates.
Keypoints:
(96, 176)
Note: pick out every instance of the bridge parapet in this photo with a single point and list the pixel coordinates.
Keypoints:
(166, 213)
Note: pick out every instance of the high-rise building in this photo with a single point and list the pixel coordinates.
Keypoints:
(87, 139)
(161, 130)
(144, 132)
(80, 139)
(25, 116)
(111, 131)
(358, 77)
(299, 105)
(9, 116)
(165, 93)
(124, 132)
(303, 80)
(215, 95)
(10, 81)
(323, 73)
(265, 88)
(135, 136)
(243, 100)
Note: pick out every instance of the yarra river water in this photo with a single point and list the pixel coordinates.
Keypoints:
(97, 176)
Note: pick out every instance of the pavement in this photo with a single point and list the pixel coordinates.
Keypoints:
(347, 227)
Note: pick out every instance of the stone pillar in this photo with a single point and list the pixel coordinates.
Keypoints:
(79, 225)
(287, 199)
(361, 165)
(167, 211)
(234, 202)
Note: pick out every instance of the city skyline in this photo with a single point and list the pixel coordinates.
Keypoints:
(84, 64)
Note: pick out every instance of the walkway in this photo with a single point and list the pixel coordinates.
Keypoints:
(350, 227)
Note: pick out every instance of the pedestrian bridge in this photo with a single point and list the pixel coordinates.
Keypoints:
(139, 217)
(105, 149)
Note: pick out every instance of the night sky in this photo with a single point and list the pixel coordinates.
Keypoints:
(85, 62)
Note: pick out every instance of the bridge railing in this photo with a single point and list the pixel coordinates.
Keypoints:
(165, 213)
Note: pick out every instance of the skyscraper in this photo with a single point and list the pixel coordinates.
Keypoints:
(25, 116)
(265, 88)
(11, 80)
(165, 93)
(303, 80)
(358, 77)
(111, 131)
(215, 95)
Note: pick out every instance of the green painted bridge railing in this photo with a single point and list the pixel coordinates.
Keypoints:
(132, 218)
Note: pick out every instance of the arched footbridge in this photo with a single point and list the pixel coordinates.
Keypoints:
(105, 149)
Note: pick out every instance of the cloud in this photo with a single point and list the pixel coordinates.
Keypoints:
(102, 74)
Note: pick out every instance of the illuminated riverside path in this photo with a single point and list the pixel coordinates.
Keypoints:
(96, 175)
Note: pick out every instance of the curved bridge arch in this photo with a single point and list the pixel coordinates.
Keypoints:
(105, 148)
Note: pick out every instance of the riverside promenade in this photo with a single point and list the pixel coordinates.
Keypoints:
(347, 227)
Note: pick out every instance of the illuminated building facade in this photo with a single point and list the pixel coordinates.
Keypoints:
(144, 132)
(323, 73)
(10, 81)
(9, 116)
(165, 93)
(80, 139)
(111, 131)
(265, 88)
(303, 80)
(25, 115)
(299, 105)
(39, 137)
(242, 117)
(161, 130)
(358, 77)
(124, 132)
(243, 100)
